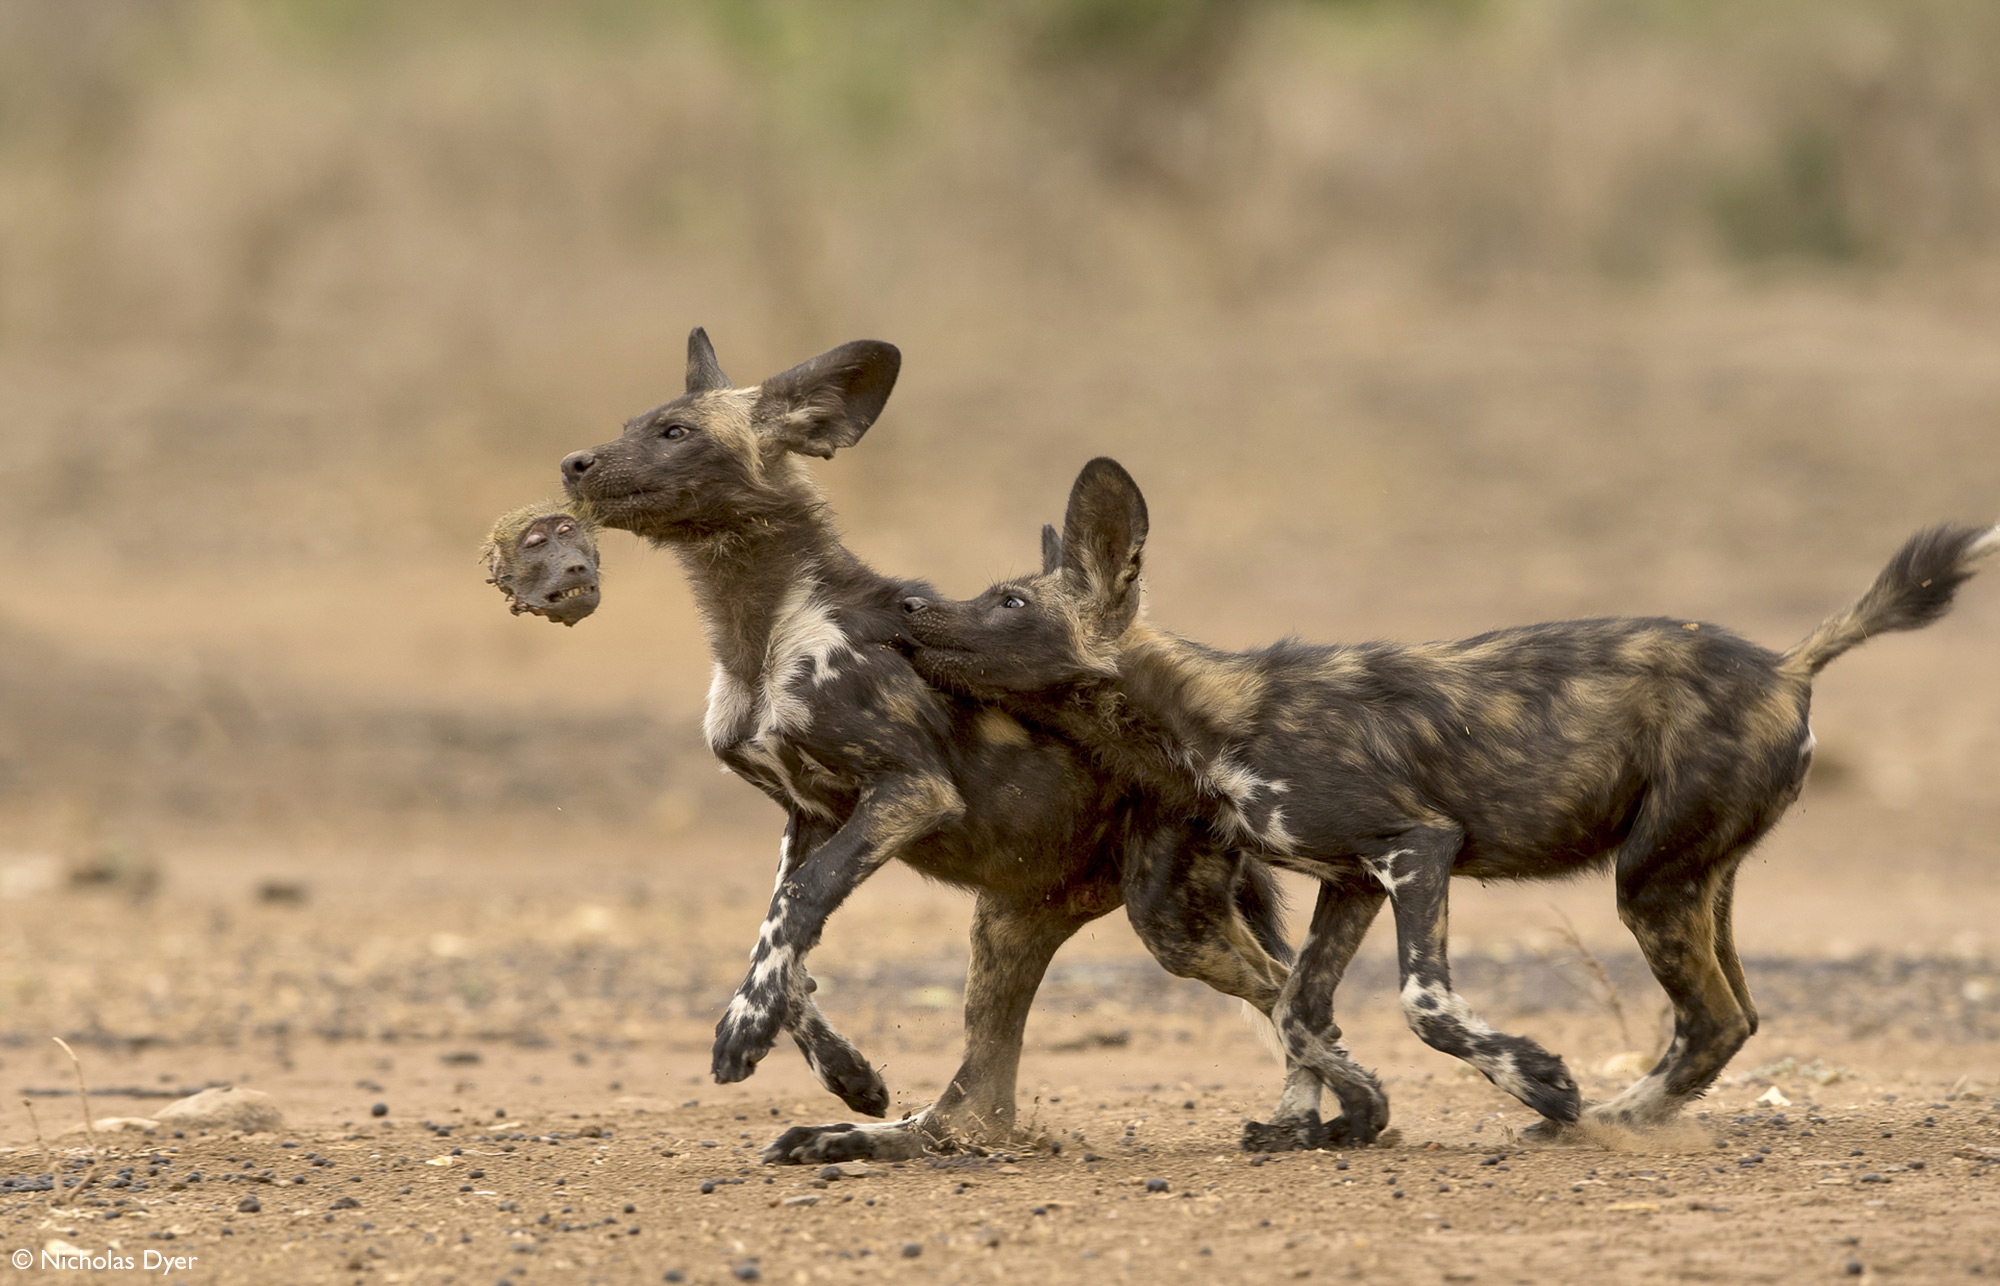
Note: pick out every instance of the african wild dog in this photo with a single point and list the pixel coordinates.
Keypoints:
(811, 704)
(1665, 748)
(543, 557)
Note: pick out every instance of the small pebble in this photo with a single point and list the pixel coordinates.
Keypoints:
(1853, 1268)
(912, 1249)
(380, 1109)
(746, 1272)
(249, 1206)
(1156, 1185)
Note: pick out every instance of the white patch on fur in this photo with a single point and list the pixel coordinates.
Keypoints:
(730, 702)
(1301, 1095)
(1985, 546)
(803, 643)
(1383, 868)
(1233, 781)
(1806, 746)
(1275, 833)
(804, 637)
(1506, 1075)
(1646, 1099)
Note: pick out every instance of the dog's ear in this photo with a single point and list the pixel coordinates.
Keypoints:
(1051, 549)
(1104, 538)
(827, 403)
(704, 372)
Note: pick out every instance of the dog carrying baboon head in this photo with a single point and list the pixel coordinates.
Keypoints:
(719, 459)
(543, 557)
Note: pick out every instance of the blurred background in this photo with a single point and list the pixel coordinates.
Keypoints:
(1414, 318)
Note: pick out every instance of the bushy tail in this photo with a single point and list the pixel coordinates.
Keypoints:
(1913, 590)
(1261, 903)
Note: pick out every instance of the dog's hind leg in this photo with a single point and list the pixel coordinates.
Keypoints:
(1190, 901)
(1012, 945)
(1676, 900)
(1415, 867)
(1304, 1019)
(1724, 910)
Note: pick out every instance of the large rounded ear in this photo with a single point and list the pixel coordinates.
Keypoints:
(1104, 537)
(704, 372)
(1051, 549)
(827, 403)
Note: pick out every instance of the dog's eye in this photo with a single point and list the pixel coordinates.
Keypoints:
(534, 538)
(1013, 600)
(675, 432)
(565, 529)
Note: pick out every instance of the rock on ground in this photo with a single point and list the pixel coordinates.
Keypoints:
(251, 1111)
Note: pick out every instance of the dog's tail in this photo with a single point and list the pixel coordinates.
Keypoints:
(1261, 903)
(1915, 589)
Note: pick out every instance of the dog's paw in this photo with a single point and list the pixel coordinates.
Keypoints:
(745, 1034)
(845, 1073)
(1364, 1113)
(1290, 1134)
(1547, 1086)
(828, 1144)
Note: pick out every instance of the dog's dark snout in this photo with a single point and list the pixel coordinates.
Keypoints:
(577, 569)
(577, 463)
(913, 605)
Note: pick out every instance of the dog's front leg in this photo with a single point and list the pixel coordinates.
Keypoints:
(1012, 944)
(897, 810)
(834, 1060)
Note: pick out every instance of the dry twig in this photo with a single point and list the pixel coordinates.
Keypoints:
(1611, 999)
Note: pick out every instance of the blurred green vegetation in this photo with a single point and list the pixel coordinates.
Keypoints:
(436, 226)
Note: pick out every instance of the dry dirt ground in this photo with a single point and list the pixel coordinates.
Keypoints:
(534, 1023)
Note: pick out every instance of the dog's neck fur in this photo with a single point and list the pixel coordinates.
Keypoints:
(741, 576)
(1174, 710)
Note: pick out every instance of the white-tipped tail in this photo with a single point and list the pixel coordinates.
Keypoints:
(1986, 546)
(1267, 1033)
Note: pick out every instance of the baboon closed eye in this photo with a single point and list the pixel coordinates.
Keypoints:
(543, 558)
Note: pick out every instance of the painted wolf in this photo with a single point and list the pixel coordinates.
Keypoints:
(1661, 747)
(810, 702)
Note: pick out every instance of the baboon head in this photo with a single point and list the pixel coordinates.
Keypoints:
(719, 459)
(1044, 634)
(543, 557)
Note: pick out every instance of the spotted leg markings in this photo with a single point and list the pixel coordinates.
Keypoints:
(827, 1144)
(760, 1007)
(1441, 1018)
(838, 1065)
(1383, 868)
(1317, 1060)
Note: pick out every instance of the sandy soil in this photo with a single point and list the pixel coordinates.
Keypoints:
(537, 1031)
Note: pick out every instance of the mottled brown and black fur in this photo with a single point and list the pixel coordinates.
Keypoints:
(1660, 747)
(543, 558)
(811, 703)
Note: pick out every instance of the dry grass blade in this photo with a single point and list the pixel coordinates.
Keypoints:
(1610, 997)
(55, 1180)
(89, 1125)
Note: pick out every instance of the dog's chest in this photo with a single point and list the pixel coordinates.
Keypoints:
(756, 726)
